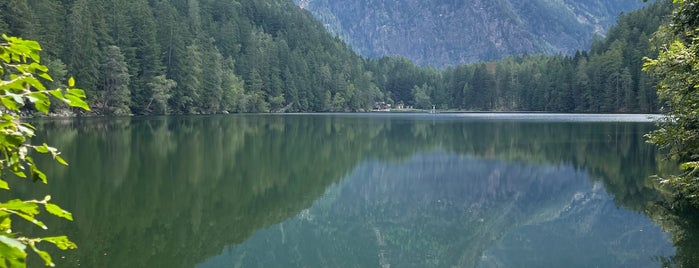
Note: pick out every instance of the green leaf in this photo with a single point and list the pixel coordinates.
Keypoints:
(12, 251)
(9, 117)
(33, 45)
(4, 185)
(57, 93)
(37, 96)
(42, 106)
(58, 211)
(19, 173)
(60, 160)
(62, 242)
(11, 242)
(19, 205)
(77, 102)
(76, 92)
(24, 209)
(689, 165)
(5, 222)
(16, 83)
(19, 263)
(44, 256)
(71, 82)
(41, 148)
(41, 101)
(4, 56)
(35, 66)
(9, 103)
(17, 98)
(15, 139)
(46, 76)
(25, 130)
(37, 175)
(30, 218)
(35, 83)
(29, 126)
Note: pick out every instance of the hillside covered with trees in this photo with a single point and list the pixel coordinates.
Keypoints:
(191, 56)
(216, 56)
(607, 78)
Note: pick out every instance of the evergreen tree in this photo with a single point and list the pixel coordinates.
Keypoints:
(233, 89)
(50, 20)
(211, 91)
(186, 95)
(145, 63)
(115, 94)
(83, 49)
(17, 17)
(582, 88)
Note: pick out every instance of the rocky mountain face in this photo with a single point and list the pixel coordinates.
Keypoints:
(449, 32)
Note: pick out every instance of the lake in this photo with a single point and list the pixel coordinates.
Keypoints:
(360, 190)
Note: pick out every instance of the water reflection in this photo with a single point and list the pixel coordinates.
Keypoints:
(445, 210)
(349, 190)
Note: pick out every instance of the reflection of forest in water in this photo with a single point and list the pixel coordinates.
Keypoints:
(171, 192)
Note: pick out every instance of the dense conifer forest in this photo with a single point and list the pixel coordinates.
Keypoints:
(607, 78)
(216, 56)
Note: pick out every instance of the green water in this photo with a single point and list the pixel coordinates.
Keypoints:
(358, 190)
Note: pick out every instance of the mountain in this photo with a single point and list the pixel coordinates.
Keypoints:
(449, 32)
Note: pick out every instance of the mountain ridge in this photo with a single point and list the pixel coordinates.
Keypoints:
(447, 32)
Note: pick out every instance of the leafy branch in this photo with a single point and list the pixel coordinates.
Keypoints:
(20, 86)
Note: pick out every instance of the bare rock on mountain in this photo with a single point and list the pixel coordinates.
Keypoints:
(449, 32)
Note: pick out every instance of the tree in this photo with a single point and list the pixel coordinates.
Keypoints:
(82, 52)
(116, 97)
(677, 70)
(144, 58)
(212, 78)
(20, 70)
(160, 87)
(186, 94)
(17, 16)
(338, 102)
(233, 88)
(422, 96)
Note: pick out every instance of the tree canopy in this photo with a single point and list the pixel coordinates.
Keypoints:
(677, 69)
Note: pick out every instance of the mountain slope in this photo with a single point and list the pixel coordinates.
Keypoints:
(449, 32)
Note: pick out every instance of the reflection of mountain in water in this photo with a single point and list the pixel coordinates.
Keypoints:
(441, 210)
(172, 192)
(590, 232)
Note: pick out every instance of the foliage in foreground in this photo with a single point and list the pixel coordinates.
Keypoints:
(677, 69)
(21, 90)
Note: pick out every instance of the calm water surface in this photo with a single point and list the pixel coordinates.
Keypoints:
(360, 190)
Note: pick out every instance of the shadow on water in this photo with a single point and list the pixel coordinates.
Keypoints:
(176, 191)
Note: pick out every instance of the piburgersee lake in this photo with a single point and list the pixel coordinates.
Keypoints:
(362, 190)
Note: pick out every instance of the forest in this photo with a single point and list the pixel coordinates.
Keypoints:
(607, 78)
(144, 57)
